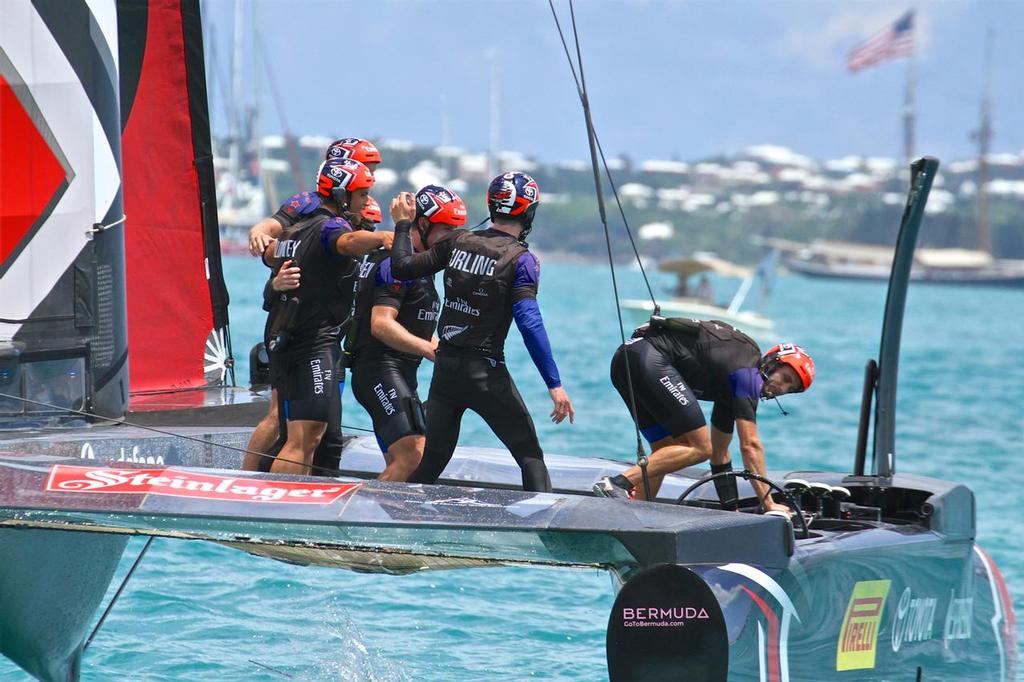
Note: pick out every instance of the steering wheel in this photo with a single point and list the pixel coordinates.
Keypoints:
(748, 475)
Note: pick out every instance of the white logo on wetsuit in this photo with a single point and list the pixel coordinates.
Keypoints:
(287, 248)
(429, 315)
(319, 376)
(386, 398)
(474, 264)
(462, 306)
(450, 331)
(677, 390)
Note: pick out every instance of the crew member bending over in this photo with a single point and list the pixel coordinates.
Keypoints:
(393, 330)
(490, 278)
(675, 362)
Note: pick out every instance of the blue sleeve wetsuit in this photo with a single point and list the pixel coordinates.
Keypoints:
(528, 319)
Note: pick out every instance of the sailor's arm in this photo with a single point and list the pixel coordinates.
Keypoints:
(262, 234)
(294, 209)
(404, 263)
(752, 451)
(361, 242)
(385, 327)
(526, 313)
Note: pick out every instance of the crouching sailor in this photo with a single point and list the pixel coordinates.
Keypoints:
(307, 321)
(490, 278)
(393, 330)
(675, 362)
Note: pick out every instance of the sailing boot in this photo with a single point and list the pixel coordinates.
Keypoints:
(728, 494)
(617, 487)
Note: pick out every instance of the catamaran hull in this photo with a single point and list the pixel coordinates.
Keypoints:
(855, 601)
(51, 583)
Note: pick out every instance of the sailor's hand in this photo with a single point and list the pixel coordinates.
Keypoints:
(403, 207)
(772, 505)
(387, 239)
(287, 277)
(431, 353)
(563, 406)
(258, 241)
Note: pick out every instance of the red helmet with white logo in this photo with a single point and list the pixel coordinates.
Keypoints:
(440, 205)
(337, 178)
(372, 211)
(792, 355)
(353, 148)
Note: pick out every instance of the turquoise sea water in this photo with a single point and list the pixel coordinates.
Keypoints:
(196, 611)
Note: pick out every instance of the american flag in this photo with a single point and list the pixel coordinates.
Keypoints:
(893, 42)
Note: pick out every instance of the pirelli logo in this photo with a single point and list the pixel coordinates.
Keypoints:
(858, 638)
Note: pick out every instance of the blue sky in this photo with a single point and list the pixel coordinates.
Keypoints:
(666, 78)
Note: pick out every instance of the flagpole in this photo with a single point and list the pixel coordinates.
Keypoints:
(908, 110)
(984, 138)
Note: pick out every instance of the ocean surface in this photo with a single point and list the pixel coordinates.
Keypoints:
(196, 611)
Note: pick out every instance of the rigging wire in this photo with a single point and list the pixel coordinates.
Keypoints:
(120, 589)
(124, 422)
(581, 90)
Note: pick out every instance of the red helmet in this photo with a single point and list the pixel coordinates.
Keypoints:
(440, 205)
(794, 356)
(342, 174)
(372, 211)
(353, 148)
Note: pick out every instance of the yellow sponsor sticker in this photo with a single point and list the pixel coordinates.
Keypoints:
(858, 638)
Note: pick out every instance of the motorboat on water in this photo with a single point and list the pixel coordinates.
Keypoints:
(696, 300)
(878, 575)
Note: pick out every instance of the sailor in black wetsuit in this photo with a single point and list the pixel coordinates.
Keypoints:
(674, 363)
(393, 330)
(490, 277)
(270, 434)
(306, 322)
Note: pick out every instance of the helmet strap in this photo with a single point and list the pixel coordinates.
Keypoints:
(341, 198)
(424, 234)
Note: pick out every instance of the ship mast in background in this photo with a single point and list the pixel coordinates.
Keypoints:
(983, 136)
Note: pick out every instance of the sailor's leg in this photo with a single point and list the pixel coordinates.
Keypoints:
(387, 391)
(445, 407)
(669, 455)
(667, 413)
(503, 409)
(312, 391)
(327, 456)
(263, 438)
(297, 453)
(403, 457)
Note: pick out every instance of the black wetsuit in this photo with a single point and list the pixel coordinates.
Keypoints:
(305, 326)
(489, 278)
(674, 367)
(384, 379)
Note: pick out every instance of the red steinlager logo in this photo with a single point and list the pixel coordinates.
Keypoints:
(180, 483)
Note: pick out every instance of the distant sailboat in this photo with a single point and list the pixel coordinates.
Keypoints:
(850, 260)
(700, 304)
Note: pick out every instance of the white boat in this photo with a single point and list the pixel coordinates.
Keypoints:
(702, 306)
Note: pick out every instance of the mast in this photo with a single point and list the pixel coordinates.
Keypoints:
(983, 136)
(495, 122)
